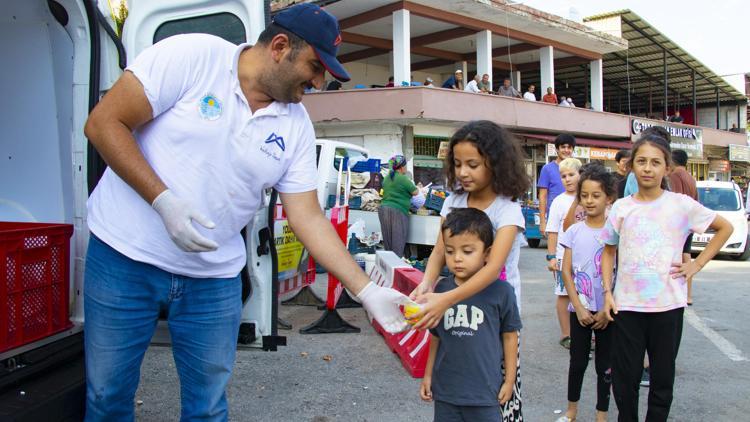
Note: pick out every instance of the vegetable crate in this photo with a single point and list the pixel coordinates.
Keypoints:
(35, 267)
(435, 200)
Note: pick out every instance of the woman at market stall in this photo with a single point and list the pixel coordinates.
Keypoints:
(394, 208)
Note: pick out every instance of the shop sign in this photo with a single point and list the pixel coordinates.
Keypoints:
(578, 152)
(721, 166)
(739, 153)
(603, 154)
(689, 139)
(288, 247)
(443, 150)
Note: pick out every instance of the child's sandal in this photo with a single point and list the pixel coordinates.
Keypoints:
(565, 418)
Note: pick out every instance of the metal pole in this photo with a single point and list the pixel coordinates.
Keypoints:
(738, 116)
(718, 107)
(666, 85)
(695, 103)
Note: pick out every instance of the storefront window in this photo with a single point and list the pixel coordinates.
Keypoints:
(428, 161)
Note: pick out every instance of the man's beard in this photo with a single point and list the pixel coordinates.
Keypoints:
(281, 84)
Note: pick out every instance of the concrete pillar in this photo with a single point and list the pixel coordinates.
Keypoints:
(547, 69)
(597, 85)
(401, 47)
(484, 53)
(257, 20)
(515, 80)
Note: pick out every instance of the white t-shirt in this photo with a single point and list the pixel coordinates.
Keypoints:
(529, 96)
(472, 86)
(503, 212)
(209, 148)
(557, 212)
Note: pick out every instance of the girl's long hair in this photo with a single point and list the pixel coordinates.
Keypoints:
(502, 153)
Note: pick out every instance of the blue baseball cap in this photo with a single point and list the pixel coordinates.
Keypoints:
(318, 28)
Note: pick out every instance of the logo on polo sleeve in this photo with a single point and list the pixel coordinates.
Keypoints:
(209, 107)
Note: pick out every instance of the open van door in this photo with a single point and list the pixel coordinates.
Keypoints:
(237, 21)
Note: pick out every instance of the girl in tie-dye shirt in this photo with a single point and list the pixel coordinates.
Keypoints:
(648, 229)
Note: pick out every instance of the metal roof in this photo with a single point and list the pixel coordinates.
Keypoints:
(639, 71)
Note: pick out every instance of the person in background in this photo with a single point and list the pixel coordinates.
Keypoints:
(428, 82)
(473, 85)
(485, 85)
(334, 86)
(564, 101)
(621, 173)
(549, 183)
(478, 336)
(676, 118)
(569, 174)
(390, 83)
(680, 181)
(456, 81)
(550, 97)
(570, 102)
(529, 94)
(507, 90)
(394, 208)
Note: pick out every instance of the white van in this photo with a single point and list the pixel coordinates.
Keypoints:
(59, 57)
(726, 199)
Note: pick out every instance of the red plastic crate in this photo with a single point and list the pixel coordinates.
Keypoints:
(34, 266)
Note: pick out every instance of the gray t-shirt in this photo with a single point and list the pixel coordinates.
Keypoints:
(503, 212)
(467, 369)
(508, 92)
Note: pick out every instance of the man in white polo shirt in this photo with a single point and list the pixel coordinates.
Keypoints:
(193, 132)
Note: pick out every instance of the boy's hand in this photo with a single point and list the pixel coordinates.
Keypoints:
(600, 321)
(425, 389)
(552, 264)
(434, 306)
(610, 306)
(506, 392)
(584, 316)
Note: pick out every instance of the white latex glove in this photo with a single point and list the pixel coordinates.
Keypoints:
(178, 215)
(382, 303)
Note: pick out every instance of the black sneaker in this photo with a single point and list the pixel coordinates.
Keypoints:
(645, 378)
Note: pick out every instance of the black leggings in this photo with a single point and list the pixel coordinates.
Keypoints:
(580, 346)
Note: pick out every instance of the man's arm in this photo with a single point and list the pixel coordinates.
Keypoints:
(543, 210)
(314, 230)
(109, 128)
(316, 233)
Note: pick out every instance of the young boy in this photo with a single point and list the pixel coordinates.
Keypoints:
(463, 373)
(569, 175)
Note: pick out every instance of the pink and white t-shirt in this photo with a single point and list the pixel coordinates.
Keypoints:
(650, 237)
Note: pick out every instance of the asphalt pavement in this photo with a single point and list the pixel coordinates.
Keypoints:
(355, 377)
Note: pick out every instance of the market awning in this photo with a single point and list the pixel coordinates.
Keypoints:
(634, 78)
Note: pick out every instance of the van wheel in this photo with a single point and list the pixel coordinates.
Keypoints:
(534, 243)
(746, 253)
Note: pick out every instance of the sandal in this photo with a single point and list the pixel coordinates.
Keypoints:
(565, 342)
(565, 418)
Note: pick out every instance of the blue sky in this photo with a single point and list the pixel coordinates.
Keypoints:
(714, 32)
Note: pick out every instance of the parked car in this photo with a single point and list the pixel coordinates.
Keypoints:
(726, 199)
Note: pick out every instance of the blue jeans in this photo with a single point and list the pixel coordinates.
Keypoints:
(122, 301)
